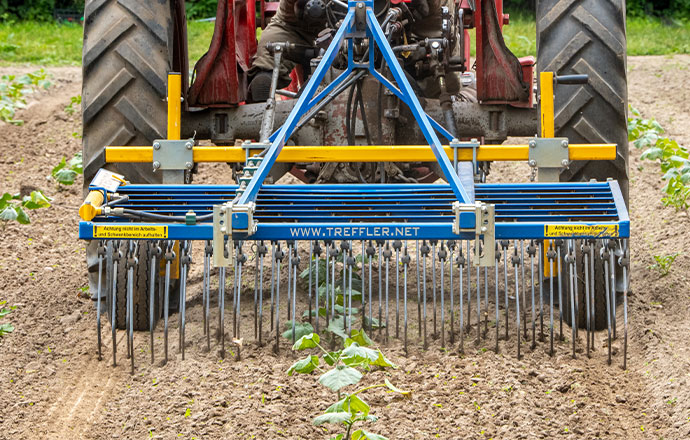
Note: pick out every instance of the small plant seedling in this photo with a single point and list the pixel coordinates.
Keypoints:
(663, 263)
(339, 370)
(74, 100)
(13, 93)
(65, 172)
(12, 207)
(6, 327)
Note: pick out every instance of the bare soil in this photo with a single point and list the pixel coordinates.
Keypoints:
(52, 384)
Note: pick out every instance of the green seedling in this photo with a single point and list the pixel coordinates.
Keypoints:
(341, 369)
(74, 100)
(65, 172)
(13, 207)
(663, 263)
(6, 327)
(13, 91)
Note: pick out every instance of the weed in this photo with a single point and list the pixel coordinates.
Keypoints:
(73, 100)
(65, 172)
(12, 207)
(663, 263)
(13, 92)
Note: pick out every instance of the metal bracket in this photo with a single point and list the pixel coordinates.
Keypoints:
(175, 155)
(243, 218)
(484, 227)
(473, 144)
(549, 156)
(222, 227)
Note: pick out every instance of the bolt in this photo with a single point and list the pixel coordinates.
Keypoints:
(564, 144)
(435, 45)
(188, 165)
(156, 165)
(156, 146)
(532, 163)
(484, 229)
(565, 163)
(189, 145)
(360, 5)
(532, 144)
(223, 229)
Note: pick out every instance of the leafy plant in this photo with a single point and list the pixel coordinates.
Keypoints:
(13, 93)
(673, 159)
(12, 207)
(663, 263)
(7, 327)
(341, 369)
(73, 100)
(66, 172)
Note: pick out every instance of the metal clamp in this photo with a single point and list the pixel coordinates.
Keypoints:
(484, 227)
(548, 156)
(222, 227)
(473, 144)
(175, 155)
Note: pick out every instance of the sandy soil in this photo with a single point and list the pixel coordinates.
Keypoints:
(52, 384)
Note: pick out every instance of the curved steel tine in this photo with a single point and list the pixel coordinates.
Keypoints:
(479, 307)
(531, 252)
(156, 252)
(425, 252)
(256, 291)
(541, 290)
(451, 261)
(242, 259)
(290, 246)
(112, 253)
(273, 283)
(624, 262)
(406, 264)
(221, 310)
(336, 254)
(317, 292)
(442, 256)
(350, 266)
(309, 262)
(570, 261)
(604, 260)
(612, 272)
(327, 304)
(370, 255)
(344, 247)
(461, 261)
(387, 254)
(551, 256)
(185, 260)
(486, 302)
(295, 265)
(575, 289)
(524, 290)
(516, 263)
(99, 291)
(262, 250)
(434, 255)
(379, 244)
(498, 318)
(130, 298)
(504, 245)
(419, 296)
(208, 252)
(397, 245)
(585, 249)
(169, 257)
(559, 266)
(279, 255)
(129, 271)
(469, 288)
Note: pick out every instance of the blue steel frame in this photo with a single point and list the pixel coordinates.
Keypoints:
(307, 100)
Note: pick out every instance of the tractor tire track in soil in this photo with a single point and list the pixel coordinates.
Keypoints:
(53, 386)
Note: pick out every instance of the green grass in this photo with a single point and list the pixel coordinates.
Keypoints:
(52, 44)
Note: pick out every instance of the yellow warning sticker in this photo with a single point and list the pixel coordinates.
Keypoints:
(130, 231)
(564, 231)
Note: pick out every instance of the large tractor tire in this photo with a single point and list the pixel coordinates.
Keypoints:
(588, 37)
(129, 48)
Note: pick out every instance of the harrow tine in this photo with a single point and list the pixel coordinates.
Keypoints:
(461, 266)
(486, 302)
(241, 259)
(524, 290)
(591, 287)
(311, 258)
(540, 268)
(117, 255)
(221, 310)
(317, 253)
(504, 245)
(559, 265)
(295, 264)
(387, 254)
(624, 262)
(132, 263)
(208, 251)
(516, 263)
(406, 263)
(185, 260)
(551, 255)
(575, 287)
(350, 264)
(570, 261)
(434, 255)
(612, 271)
(451, 262)
(498, 321)
(273, 281)
(425, 253)
(289, 281)
(442, 255)
(469, 288)
(334, 262)
(345, 247)
(279, 255)
(155, 254)
(370, 254)
(262, 250)
(585, 257)
(379, 245)
(169, 257)
(419, 299)
(363, 278)
(101, 254)
(479, 307)
(397, 244)
(256, 292)
(604, 258)
(531, 251)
